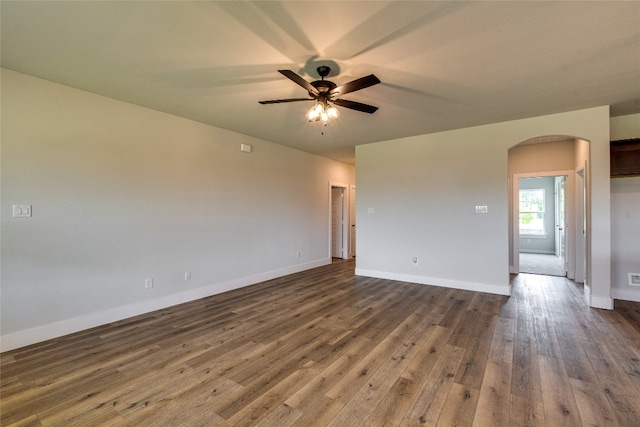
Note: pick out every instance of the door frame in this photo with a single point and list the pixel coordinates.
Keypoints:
(352, 221)
(560, 230)
(581, 226)
(345, 216)
(569, 208)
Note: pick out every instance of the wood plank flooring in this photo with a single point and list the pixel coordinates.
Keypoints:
(326, 348)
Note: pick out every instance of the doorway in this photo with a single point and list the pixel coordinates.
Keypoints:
(338, 221)
(544, 223)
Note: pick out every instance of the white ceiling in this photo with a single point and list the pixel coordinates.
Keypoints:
(443, 65)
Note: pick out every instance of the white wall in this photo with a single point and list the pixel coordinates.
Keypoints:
(423, 191)
(122, 193)
(625, 218)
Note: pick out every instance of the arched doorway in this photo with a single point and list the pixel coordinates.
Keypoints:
(557, 156)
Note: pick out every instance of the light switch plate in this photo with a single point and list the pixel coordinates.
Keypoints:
(22, 211)
(482, 209)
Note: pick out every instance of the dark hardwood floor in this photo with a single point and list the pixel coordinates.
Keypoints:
(326, 348)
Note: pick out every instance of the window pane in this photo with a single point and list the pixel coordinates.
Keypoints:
(532, 211)
(532, 200)
(531, 223)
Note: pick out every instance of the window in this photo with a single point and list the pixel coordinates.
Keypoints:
(532, 212)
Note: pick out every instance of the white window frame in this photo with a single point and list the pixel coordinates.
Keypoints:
(541, 232)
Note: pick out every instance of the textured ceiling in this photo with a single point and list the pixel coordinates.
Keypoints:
(443, 65)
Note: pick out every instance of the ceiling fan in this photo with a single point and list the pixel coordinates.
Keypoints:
(324, 92)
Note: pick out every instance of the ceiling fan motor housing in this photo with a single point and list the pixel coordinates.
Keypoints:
(323, 71)
(323, 86)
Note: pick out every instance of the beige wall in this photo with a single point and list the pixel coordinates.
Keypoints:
(625, 127)
(583, 218)
(417, 198)
(122, 193)
(542, 157)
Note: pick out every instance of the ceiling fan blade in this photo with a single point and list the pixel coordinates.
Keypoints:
(299, 80)
(279, 101)
(356, 84)
(365, 108)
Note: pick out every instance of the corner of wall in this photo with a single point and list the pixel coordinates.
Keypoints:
(597, 302)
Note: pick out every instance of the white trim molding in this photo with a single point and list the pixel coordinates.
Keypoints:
(434, 281)
(625, 294)
(80, 323)
(597, 302)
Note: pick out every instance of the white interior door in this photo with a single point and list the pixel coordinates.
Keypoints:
(337, 222)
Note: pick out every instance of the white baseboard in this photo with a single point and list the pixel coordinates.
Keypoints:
(601, 302)
(587, 293)
(625, 294)
(434, 281)
(76, 324)
(597, 302)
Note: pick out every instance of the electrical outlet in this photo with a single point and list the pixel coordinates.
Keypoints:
(148, 283)
(299, 254)
(187, 275)
(482, 209)
(415, 260)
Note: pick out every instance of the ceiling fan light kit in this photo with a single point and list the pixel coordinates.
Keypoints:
(323, 92)
(322, 111)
